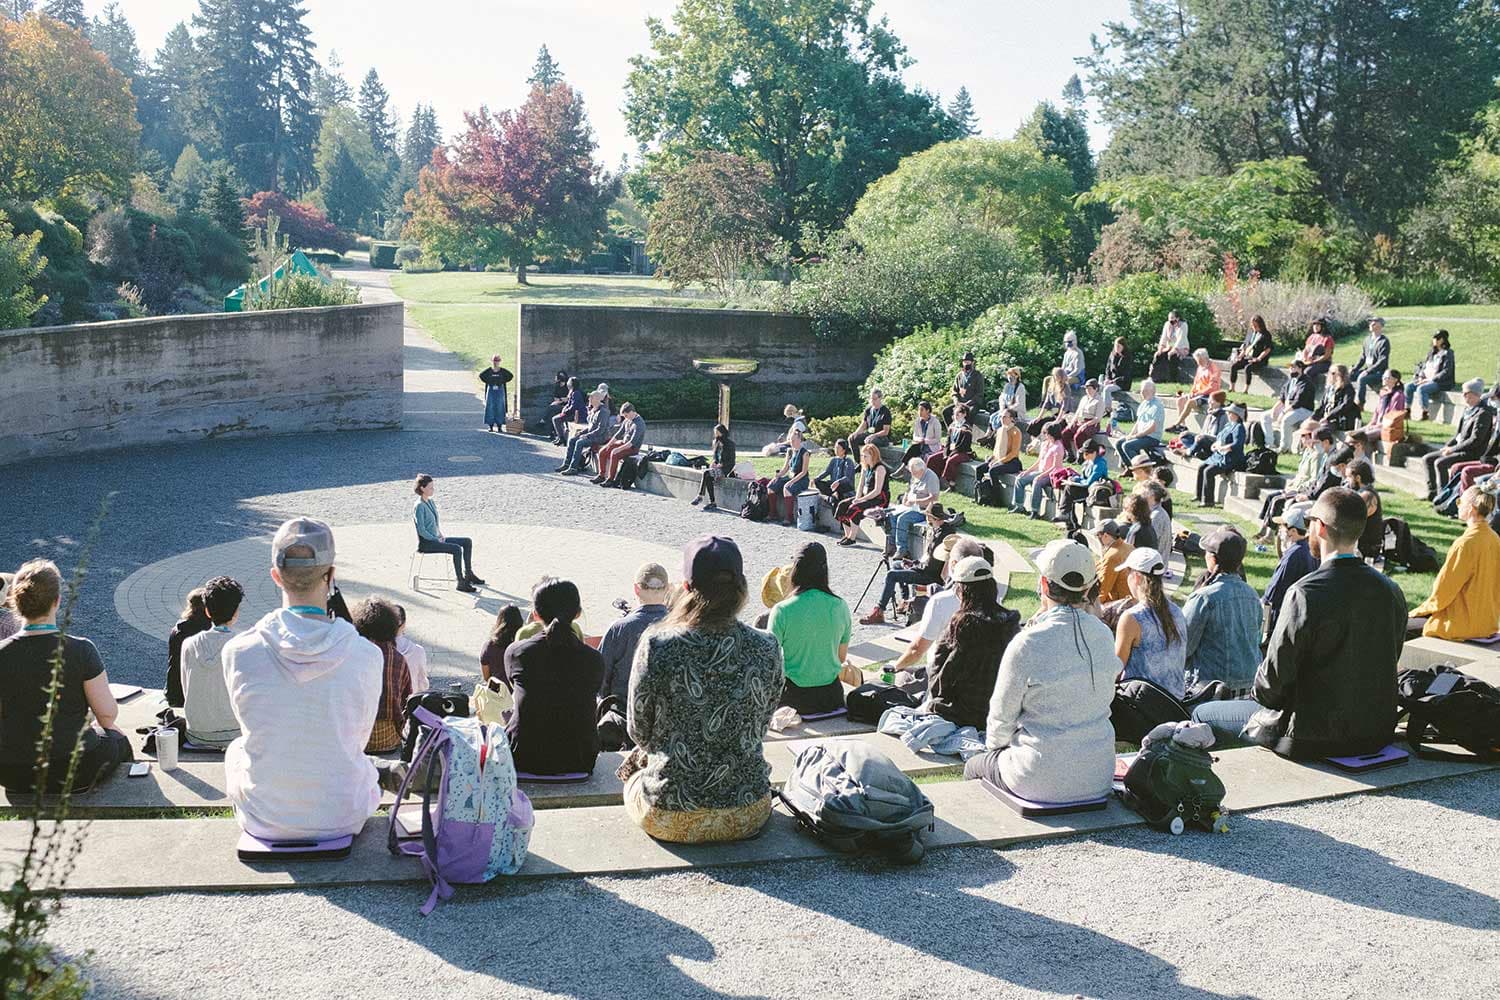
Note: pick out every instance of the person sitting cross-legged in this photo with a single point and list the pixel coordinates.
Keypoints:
(306, 691)
(210, 716)
(813, 626)
(703, 688)
(190, 621)
(430, 537)
(720, 466)
(378, 621)
(554, 677)
(1465, 599)
(1223, 618)
(26, 672)
(1327, 684)
(1048, 734)
(967, 656)
(1149, 639)
(594, 436)
(618, 645)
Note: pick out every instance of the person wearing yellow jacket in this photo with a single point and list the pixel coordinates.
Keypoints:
(1465, 601)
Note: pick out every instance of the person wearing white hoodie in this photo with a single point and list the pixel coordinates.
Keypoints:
(305, 689)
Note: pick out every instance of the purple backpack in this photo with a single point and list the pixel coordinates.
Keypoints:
(477, 823)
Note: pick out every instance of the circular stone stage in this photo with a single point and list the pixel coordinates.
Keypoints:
(376, 560)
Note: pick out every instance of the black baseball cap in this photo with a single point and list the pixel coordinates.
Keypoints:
(711, 556)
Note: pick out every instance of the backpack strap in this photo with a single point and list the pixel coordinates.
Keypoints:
(428, 750)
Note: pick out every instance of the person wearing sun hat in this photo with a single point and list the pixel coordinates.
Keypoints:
(1048, 734)
(968, 653)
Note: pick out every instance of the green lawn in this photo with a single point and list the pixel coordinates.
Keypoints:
(475, 314)
(1476, 345)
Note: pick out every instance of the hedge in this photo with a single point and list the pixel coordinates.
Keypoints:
(1028, 333)
(383, 255)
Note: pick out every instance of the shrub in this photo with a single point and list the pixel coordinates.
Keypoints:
(1289, 307)
(1029, 333)
(20, 265)
(219, 258)
(827, 430)
(937, 270)
(325, 257)
(383, 255)
(408, 254)
(300, 291)
(1128, 246)
(110, 244)
(130, 304)
(1419, 290)
(304, 225)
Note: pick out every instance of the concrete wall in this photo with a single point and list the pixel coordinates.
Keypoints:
(181, 378)
(604, 343)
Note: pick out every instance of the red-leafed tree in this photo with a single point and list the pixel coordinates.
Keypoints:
(305, 226)
(515, 187)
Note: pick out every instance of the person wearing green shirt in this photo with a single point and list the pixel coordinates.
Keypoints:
(813, 626)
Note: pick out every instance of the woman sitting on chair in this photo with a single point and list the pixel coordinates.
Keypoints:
(430, 537)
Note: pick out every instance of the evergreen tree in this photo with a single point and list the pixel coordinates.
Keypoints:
(1072, 94)
(168, 96)
(222, 204)
(422, 137)
(545, 73)
(69, 12)
(330, 89)
(16, 9)
(294, 119)
(348, 195)
(232, 44)
(189, 179)
(961, 111)
(113, 35)
(374, 111)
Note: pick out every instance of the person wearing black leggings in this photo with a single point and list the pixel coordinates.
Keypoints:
(721, 467)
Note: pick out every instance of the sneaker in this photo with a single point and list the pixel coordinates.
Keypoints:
(467, 588)
(710, 506)
(876, 617)
(475, 580)
(597, 480)
(561, 468)
(695, 501)
(844, 541)
(567, 470)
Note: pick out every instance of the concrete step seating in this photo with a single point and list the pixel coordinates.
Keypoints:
(134, 856)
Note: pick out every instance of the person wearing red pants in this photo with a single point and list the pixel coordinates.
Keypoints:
(957, 449)
(624, 442)
(1086, 420)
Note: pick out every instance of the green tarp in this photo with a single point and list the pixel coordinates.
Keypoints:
(297, 263)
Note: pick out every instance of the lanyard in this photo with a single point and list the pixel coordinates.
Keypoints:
(39, 628)
(225, 628)
(305, 609)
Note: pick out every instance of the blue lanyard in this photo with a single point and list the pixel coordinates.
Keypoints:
(225, 628)
(39, 628)
(305, 609)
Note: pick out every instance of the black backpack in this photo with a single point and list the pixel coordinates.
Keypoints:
(1467, 714)
(1407, 549)
(439, 703)
(629, 471)
(1140, 706)
(856, 800)
(1261, 462)
(757, 506)
(868, 702)
(986, 493)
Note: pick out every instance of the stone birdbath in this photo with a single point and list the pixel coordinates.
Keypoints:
(726, 372)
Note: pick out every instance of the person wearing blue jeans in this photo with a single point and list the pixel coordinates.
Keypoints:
(594, 436)
(920, 495)
(430, 537)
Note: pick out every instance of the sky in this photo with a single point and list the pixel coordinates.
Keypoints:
(458, 54)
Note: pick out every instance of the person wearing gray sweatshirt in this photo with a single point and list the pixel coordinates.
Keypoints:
(1048, 734)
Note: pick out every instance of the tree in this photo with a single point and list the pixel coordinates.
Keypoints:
(189, 179)
(20, 265)
(170, 96)
(113, 35)
(811, 88)
(330, 89)
(1072, 95)
(294, 121)
(223, 205)
(16, 9)
(69, 12)
(518, 186)
(1457, 230)
(961, 113)
(715, 222)
(346, 192)
(69, 120)
(545, 72)
(990, 184)
(422, 137)
(1373, 95)
(1061, 134)
(375, 113)
(304, 225)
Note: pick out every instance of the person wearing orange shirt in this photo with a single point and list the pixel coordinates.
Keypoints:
(1206, 382)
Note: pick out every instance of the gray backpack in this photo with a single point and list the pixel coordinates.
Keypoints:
(858, 801)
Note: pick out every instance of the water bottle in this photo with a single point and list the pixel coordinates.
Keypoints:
(887, 675)
(166, 748)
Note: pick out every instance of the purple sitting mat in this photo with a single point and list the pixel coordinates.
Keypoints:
(252, 848)
(1027, 807)
(572, 778)
(825, 715)
(188, 746)
(1488, 640)
(1388, 757)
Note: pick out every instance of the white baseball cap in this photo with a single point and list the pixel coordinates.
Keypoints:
(1067, 564)
(1146, 560)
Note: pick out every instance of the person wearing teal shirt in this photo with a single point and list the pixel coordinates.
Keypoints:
(430, 537)
(1150, 422)
(813, 627)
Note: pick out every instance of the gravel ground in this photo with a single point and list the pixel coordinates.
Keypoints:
(171, 499)
(1390, 895)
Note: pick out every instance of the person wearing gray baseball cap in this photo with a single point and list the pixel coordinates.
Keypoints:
(1475, 425)
(306, 689)
(1048, 734)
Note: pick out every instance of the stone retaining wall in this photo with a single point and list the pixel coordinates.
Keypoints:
(92, 386)
(628, 343)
